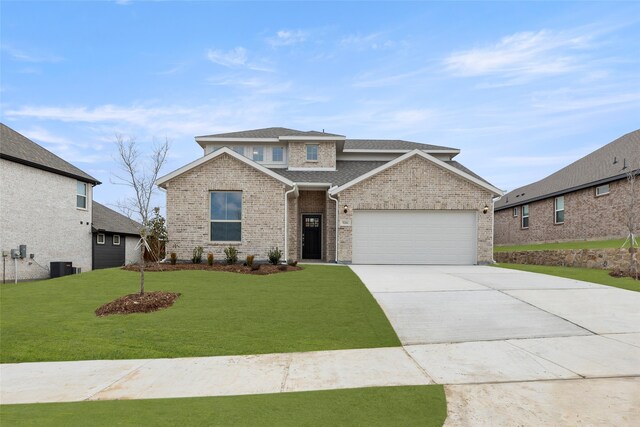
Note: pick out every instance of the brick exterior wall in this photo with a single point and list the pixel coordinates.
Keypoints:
(38, 209)
(417, 183)
(188, 217)
(586, 217)
(326, 154)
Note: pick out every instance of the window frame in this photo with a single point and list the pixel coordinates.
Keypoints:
(113, 240)
(307, 146)
(556, 210)
(524, 216)
(598, 194)
(85, 195)
(515, 212)
(253, 153)
(211, 220)
(98, 240)
(238, 149)
(281, 148)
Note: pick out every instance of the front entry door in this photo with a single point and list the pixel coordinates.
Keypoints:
(311, 237)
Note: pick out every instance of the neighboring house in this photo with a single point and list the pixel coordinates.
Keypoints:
(45, 204)
(321, 196)
(115, 238)
(586, 200)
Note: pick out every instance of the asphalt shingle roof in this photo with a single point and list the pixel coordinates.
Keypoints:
(274, 132)
(18, 148)
(349, 170)
(603, 165)
(109, 220)
(389, 144)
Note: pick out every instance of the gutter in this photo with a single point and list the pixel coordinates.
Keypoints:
(294, 190)
(337, 228)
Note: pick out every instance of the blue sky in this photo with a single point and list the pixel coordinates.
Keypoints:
(522, 88)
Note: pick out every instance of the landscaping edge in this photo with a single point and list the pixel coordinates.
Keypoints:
(605, 259)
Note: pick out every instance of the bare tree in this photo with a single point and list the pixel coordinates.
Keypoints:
(631, 219)
(140, 175)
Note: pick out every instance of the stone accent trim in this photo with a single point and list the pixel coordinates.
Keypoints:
(583, 258)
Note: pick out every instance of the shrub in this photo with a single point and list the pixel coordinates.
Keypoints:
(197, 255)
(274, 255)
(249, 262)
(173, 258)
(210, 258)
(292, 262)
(231, 254)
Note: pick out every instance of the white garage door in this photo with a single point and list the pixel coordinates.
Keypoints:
(414, 237)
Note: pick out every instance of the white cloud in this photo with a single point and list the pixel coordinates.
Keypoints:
(372, 41)
(254, 84)
(538, 53)
(24, 56)
(287, 38)
(233, 58)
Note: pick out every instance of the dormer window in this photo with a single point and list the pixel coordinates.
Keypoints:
(312, 152)
(258, 154)
(277, 154)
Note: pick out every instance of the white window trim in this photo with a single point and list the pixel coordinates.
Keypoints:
(515, 212)
(113, 240)
(306, 152)
(225, 220)
(598, 194)
(100, 239)
(556, 210)
(523, 217)
(284, 155)
(85, 195)
(253, 148)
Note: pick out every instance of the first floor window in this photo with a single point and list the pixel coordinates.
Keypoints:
(100, 239)
(258, 154)
(515, 212)
(226, 216)
(116, 240)
(277, 154)
(602, 190)
(81, 195)
(559, 210)
(312, 152)
(525, 216)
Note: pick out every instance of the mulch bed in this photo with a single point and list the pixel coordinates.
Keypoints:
(136, 303)
(622, 273)
(235, 268)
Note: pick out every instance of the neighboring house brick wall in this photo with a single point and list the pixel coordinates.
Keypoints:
(417, 183)
(131, 254)
(586, 217)
(326, 154)
(188, 217)
(39, 210)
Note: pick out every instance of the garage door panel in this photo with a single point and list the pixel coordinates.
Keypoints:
(414, 237)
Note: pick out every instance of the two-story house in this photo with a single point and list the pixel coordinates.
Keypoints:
(321, 196)
(45, 206)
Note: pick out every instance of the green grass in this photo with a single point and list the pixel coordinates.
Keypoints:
(318, 308)
(586, 274)
(600, 244)
(380, 406)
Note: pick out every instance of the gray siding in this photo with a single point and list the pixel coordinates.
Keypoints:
(108, 255)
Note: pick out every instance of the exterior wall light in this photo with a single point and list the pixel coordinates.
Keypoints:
(345, 209)
(485, 209)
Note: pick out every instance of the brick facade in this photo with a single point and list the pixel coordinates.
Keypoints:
(416, 183)
(188, 217)
(586, 217)
(326, 154)
(39, 210)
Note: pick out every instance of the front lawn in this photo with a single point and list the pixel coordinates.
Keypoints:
(600, 244)
(586, 274)
(380, 406)
(318, 308)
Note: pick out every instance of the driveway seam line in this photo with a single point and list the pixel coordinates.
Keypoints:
(419, 366)
(607, 377)
(620, 341)
(285, 376)
(544, 358)
(136, 369)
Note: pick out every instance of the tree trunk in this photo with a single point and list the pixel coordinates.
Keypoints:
(142, 270)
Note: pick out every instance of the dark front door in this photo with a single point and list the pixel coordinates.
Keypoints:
(311, 237)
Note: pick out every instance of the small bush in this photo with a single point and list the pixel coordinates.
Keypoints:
(255, 267)
(210, 258)
(197, 255)
(231, 255)
(249, 262)
(173, 258)
(292, 262)
(274, 256)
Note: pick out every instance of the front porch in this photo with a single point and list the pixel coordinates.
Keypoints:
(312, 222)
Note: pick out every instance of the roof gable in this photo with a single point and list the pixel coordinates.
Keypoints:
(20, 149)
(440, 163)
(224, 150)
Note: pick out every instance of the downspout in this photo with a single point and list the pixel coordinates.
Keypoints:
(286, 221)
(335, 200)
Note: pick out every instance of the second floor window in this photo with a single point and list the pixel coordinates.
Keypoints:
(312, 152)
(258, 154)
(277, 154)
(81, 195)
